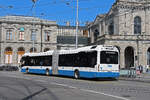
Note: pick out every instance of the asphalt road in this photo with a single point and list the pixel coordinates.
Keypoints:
(19, 86)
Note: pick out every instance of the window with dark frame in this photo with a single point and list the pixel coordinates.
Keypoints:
(82, 59)
(137, 25)
(37, 61)
(47, 35)
(108, 57)
(9, 34)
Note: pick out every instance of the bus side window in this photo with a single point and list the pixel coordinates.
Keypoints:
(92, 58)
(76, 60)
(93, 61)
(41, 63)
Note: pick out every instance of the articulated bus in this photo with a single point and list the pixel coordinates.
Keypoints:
(97, 61)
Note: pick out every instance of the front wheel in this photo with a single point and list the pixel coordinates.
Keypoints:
(76, 74)
(27, 70)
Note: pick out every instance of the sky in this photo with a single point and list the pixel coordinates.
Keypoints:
(60, 11)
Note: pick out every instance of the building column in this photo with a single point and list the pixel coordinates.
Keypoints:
(15, 56)
(143, 55)
(122, 58)
(99, 29)
(92, 36)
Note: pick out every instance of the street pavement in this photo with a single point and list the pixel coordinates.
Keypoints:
(19, 86)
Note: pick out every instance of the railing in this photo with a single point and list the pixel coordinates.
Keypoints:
(129, 73)
(134, 73)
(9, 67)
(124, 37)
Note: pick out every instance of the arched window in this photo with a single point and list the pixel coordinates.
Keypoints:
(129, 57)
(137, 25)
(8, 55)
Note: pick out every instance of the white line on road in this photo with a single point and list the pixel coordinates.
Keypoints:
(92, 91)
(118, 97)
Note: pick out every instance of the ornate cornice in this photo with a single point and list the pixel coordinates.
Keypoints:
(132, 5)
(26, 20)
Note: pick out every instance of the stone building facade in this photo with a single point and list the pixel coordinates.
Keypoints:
(125, 26)
(66, 37)
(21, 34)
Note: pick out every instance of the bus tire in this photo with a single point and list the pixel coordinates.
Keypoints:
(47, 72)
(27, 70)
(76, 74)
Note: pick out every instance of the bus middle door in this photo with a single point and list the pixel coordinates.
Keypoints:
(55, 58)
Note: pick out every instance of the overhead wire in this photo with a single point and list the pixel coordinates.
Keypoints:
(67, 3)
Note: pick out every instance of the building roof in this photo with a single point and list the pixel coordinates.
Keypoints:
(26, 19)
(72, 40)
(71, 27)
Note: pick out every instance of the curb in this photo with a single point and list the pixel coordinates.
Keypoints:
(135, 79)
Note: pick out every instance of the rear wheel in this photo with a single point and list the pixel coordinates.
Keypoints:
(47, 72)
(76, 74)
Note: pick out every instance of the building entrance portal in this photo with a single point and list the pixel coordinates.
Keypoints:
(129, 57)
(8, 55)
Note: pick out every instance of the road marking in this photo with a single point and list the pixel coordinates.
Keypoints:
(118, 97)
(92, 91)
(63, 85)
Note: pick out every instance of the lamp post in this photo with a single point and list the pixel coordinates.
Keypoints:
(77, 24)
(33, 43)
(42, 14)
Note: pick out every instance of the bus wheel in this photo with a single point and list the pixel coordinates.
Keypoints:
(76, 74)
(27, 70)
(47, 72)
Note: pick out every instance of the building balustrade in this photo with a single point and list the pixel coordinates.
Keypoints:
(124, 37)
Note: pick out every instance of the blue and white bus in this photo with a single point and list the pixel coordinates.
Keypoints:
(97, 61)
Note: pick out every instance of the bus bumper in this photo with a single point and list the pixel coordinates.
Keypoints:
(107, 74)
(99, 74)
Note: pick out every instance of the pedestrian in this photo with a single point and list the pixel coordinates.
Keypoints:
(147, 68)
(141, 68)
(138, 72)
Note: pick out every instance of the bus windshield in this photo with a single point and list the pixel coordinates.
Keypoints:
(24, 61)
(109, 57)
